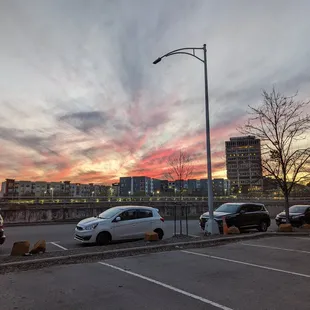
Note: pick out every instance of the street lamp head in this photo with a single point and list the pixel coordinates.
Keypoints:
(155, 62)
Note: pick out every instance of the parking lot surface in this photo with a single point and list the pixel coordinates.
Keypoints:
(60, 237)
(270, 273)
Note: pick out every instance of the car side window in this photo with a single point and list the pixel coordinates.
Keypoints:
(256, 208)
(144, 214)
(244, 209)
(128, 215)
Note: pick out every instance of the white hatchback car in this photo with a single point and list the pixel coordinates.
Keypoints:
(120, 223)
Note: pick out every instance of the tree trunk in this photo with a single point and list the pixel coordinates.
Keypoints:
(286, 207)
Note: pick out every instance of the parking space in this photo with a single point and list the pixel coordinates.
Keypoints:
(60, 237)
(271, 273)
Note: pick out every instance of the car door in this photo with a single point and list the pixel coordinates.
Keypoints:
(307, 216)
(254, 214)
(244, 217)
(144, 224)
(126, 228)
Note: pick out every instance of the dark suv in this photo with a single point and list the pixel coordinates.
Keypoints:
(242, 215)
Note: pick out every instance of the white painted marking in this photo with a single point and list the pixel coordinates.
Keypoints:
(60, 246)
(194, 236)
(172, 288)
(248, 264)
(275, 248)
(302, 238)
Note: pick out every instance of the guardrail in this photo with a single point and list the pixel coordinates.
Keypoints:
(94, 200)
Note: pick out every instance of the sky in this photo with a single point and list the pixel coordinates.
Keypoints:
(80, 99)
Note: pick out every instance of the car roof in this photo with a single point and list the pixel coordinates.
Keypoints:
(246, 203)
(134, 207)
(302, 206)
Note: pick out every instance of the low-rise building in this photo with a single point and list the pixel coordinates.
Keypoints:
(12, 189)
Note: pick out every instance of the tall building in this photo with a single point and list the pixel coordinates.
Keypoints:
(243, 163)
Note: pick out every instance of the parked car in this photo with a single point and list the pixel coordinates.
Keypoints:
(2, 236)
(241, 215)
(298, 215)
(120, 223)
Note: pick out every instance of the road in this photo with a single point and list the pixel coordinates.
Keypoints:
(60, 236)
(270, 273)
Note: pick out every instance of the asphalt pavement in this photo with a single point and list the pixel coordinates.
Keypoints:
(269, 273)
(59, 237)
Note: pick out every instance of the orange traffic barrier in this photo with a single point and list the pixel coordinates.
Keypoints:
(225, 227)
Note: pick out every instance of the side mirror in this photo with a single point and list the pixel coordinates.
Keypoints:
(118, 219)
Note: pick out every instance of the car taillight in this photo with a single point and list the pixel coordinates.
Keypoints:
(162, 219)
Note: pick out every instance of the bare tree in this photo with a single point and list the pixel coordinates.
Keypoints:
(180, 169)
(280, 122)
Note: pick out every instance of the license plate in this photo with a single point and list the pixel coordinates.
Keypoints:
(283, 221)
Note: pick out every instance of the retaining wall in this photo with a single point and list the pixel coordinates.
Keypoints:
(59, 213)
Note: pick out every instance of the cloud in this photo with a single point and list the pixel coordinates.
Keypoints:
(40, 143)
(85, 121)
(80, 98)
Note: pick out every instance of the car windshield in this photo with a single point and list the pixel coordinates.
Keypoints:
(107, 214)
(228, 207)
(298, 209)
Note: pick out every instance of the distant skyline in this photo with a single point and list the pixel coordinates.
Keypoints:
(81, 100)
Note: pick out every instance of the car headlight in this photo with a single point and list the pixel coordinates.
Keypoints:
(91, 227)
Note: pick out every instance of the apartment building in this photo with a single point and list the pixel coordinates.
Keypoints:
(13, 188)
(243, 163)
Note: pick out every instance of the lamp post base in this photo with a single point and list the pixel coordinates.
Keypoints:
(212, 227)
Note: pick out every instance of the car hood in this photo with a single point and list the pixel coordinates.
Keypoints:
(282, 214)
(91, 220)
(217, 214)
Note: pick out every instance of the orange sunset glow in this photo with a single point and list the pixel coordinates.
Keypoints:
(81, 100)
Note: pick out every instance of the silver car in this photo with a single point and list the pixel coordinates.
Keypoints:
(120, 223)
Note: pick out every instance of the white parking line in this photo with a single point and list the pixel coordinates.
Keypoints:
(275, 248)
(302, 238)
(247, 264)
(172, 288)
(60, 246)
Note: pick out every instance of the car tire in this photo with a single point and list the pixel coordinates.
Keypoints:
(103, 238)
(263, 226)
(160, 233)
(302, 222)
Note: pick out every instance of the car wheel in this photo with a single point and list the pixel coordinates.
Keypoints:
(103, 238)
(160, 233)
(302, 222)
(263, 226)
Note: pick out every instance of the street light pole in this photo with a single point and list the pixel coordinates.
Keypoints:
(211, 225)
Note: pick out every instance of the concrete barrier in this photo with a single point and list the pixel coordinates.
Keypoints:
(74, 213)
